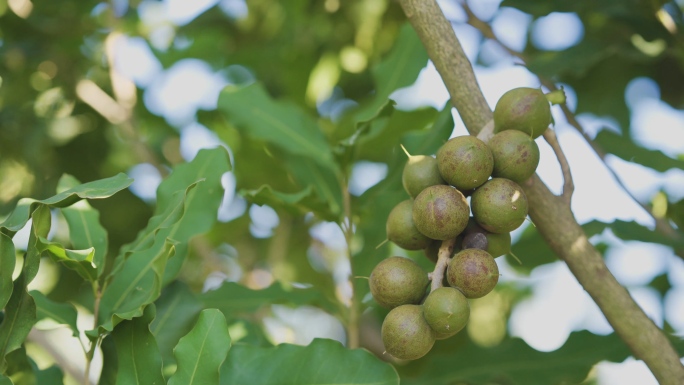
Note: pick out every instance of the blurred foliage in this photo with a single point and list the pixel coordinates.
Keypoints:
(308, 100)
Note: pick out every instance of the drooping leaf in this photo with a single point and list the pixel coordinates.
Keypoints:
(8, 260)
(624, 148)
(514, 362)
(321, 362)
(139, 361)
(63, 313)
(20, 315)
(201, 352)
(282, 124)
(177, 309)
(85, 230)
(98, 189)
(80, 261)
(232, 298)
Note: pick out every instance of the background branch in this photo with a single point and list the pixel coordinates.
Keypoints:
(552, 216)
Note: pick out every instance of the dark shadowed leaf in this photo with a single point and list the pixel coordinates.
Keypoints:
(63, 313)
(139, 361)
(20, 368)
(201, 352)
(8, 260)
(177, 309)
(20, 315)
(322, 362)
(52, 376)
(400, 69)
(109, 362)
(514, 362)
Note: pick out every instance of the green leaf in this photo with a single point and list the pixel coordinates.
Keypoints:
(282, 124)
(400, 69)
(630, 231)
(63, 313)
(40, 227)
(202, 351)
(8, 260)
(5, 381)
(20, 369)
(322, 362)
(296, 203)
(137, 284)
(325, 184)
(98, 189)
(137, 279)
(85, 230)
(232, 298)
(20, 315)
(514, 362)
(428, 140)
(52, 375)
(80, 261)
(110, 362)
(624, 148)
(200, 206)
(139, 361)
(177, 309)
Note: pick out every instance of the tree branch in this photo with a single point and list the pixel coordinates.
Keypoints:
(553, 218)
(443, 256)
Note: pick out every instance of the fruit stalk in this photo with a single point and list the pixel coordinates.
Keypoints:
(551, 214)
(445, 251)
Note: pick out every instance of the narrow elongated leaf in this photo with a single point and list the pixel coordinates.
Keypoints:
(139, 361)
(199, 210)
(8, 260)
(137, 284)
(514, 362)
(322, 362)
(98, 189)
(202, 351)
(63, 313)
(20, 315)
(85, 230)
(232, 298)
(80, 261)
(282, 124)
(137, 276)
(177, 309)
(624, 148)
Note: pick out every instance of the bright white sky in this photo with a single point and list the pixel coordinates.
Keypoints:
(559, 304)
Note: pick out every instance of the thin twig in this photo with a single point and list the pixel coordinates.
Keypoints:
(348, 229)
(445, 251)
(553, 217)
(568, 185)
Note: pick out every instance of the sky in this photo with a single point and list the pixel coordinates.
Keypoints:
(559, 305)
